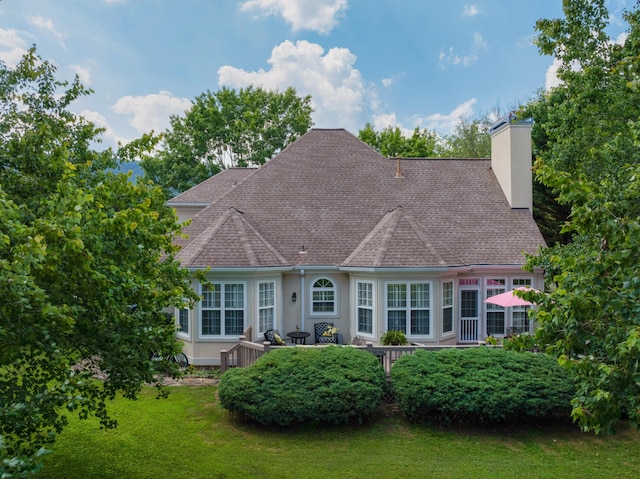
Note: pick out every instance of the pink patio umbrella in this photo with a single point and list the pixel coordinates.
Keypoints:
(508, 298)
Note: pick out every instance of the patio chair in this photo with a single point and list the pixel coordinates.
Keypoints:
(325, 333)
(275, 338)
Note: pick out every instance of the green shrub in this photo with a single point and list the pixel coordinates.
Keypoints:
(393, 338)
(520, 343)
(479, 386)
(332, 385)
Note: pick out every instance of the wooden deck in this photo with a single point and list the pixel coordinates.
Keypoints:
(246, 352)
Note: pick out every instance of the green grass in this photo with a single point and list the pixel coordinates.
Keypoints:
(190, 436)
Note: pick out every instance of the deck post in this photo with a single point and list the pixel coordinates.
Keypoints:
(224, 360)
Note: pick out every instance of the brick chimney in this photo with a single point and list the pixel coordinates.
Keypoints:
(511, 159)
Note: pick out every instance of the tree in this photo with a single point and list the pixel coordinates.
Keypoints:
(78, 245)
(589, 158)
(393, 143)
(227, 128)
(470, 139)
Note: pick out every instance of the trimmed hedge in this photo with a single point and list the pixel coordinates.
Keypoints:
(480, 386)
(331, 385)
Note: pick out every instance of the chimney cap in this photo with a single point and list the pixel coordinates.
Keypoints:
(509, 119)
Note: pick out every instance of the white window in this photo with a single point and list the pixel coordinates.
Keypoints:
(223, 309)
(183, 321)
(266, 305)
(409, 308)
(365, 307)
(495, 314)
(447, 307)
(519, 314)
(323, 297)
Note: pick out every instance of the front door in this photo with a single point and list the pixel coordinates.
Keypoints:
(469, 315)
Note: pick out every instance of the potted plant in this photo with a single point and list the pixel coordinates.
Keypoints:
(393, 338)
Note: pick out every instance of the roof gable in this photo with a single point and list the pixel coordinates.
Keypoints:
(399, 239)
(230, 241)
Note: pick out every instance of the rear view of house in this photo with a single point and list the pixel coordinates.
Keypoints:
(331, 231)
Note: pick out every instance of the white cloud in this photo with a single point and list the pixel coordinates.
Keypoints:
(387, 82)
(470, 11)
(453, 58)
(316, 15)
(337, 90)
(151, 112)
(47, 25)
(384, 120)
(11, 47)
(479, 43)
(84, 73)
(445, 123)
(551, 79)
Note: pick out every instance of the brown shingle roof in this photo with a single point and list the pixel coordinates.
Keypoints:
(213, 188)
(337, 198)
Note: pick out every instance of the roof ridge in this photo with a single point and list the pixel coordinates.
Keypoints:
(243, 227)
(427, 238)
(389, 222)
(200, 242)
(242, 223)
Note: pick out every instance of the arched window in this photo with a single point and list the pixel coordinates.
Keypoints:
(323, 297)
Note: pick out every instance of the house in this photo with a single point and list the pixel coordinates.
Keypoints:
(330, 230)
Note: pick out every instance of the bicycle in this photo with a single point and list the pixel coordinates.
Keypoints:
(180, 359)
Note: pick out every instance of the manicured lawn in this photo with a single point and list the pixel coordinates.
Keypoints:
(190, 436)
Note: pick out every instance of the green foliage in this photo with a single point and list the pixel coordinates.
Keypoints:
(470, 139)
(588, 157)
(227, 128)
(520, 343)
(332, 385)
(393, 338)
(393, 143)
(78, 244)
(479, 386)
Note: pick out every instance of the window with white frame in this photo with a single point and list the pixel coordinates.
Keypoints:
(447, 307)
(409, 308)
(495, 314)
(323, 297)
(183, 321)
(365, 307)
(223, 309)
(519, 314)
(266, 305)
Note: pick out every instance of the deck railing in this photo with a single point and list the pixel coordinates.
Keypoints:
(245, 353)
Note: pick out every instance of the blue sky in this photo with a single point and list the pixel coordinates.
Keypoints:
(404, 63)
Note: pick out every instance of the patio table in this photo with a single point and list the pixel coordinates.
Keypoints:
(299, 337)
